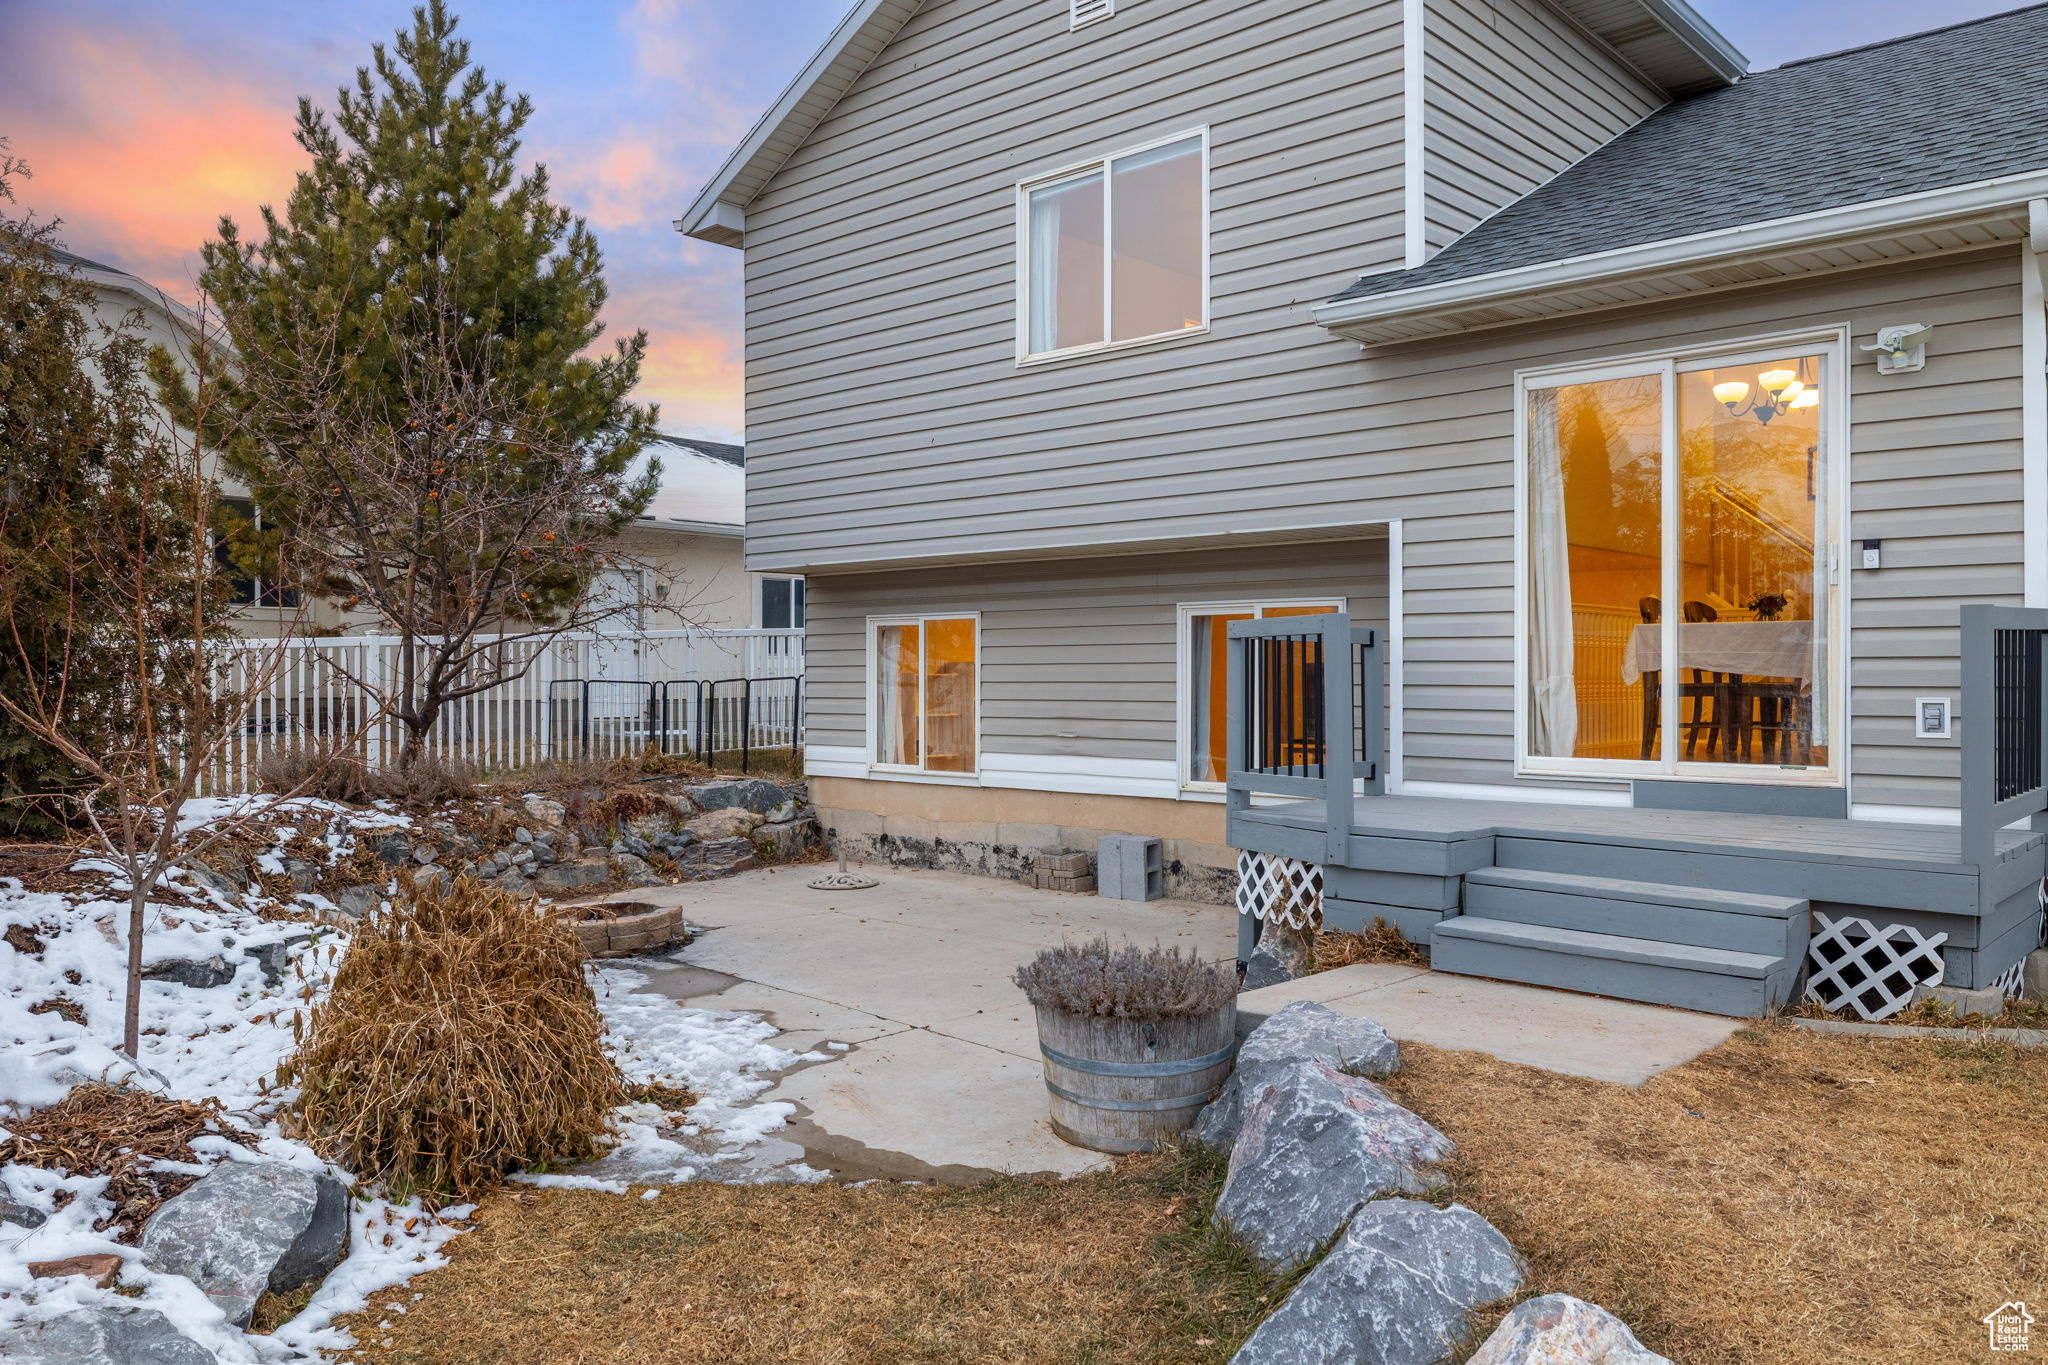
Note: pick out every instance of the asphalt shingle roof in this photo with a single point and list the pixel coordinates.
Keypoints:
(1947, 107)
(717, 450)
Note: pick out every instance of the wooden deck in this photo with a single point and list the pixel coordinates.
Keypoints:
(1870, 843)
(1616, 882)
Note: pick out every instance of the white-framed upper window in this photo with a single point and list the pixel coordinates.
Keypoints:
(780, 602)
(1680, 600)
(1201, 692)
(924, 692)
(1114, 251)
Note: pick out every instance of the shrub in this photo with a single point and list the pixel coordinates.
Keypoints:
(1126, 983)
(340, 776)
(459, 1041)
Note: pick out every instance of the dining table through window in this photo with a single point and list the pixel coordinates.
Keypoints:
(1679, 589)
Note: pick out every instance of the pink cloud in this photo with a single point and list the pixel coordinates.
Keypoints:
(149, 149)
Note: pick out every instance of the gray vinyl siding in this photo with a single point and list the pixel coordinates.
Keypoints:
(1935, 472)
(1077, 656)
(1513, 93)
(887, 417)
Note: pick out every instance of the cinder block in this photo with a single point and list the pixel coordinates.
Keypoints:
(1130, 867)
(2034, 975)
(1068, 862)
(1988, 1001)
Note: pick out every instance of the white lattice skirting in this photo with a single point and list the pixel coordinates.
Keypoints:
(2008, 984)
(1857, 965)
(1279, 890)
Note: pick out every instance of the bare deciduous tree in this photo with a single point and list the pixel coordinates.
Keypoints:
(448, 505)
(118, 631)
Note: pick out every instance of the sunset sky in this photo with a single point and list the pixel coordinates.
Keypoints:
(145, 120)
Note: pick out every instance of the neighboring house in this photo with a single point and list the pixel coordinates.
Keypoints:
(1533, 335)
(689, 539)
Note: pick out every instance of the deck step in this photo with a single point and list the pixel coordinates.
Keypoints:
(1716, 980)
(1699, 917)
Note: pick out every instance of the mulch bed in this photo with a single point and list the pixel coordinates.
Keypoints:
(119, 1133)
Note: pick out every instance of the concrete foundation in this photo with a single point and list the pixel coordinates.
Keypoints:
(993, 831)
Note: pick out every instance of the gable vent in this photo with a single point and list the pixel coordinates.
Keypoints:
(1084, 12)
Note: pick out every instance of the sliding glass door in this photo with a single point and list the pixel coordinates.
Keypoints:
(1679, 568)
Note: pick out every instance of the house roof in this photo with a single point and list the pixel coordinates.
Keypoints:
(1665, 40)
(718, 212)
(664, 444)
(120, 281)
(1951, 107)
(703, 486)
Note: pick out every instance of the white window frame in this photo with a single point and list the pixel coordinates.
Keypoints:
(874, 697)
(1025, 355)
(1832, 344)
(761, 581)
(1184, 682)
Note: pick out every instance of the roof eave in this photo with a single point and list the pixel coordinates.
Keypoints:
(1702, 60)
(1946, 219)
(678, 526)
(718, 213)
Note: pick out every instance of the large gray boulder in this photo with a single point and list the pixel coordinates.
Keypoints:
(743, 793)
(1316, 1144)
(1398, 1289)
(245, 1227)
(1282, 955)
(200, 973)
(1304, 1031)
(105, 1335)
(1558, 1329)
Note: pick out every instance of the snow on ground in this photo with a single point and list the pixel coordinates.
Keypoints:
(227, 1040)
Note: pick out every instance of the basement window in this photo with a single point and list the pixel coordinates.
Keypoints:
(923, 694)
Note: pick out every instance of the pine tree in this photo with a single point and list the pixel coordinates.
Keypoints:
(73, 438)
(415, 282)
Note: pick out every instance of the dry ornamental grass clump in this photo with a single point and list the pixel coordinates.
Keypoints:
(1126, 983)
(458, 1042)
(345, 777)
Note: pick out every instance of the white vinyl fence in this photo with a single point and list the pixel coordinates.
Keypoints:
(699, 692)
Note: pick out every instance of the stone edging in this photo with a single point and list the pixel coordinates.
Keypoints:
(2019, 1037)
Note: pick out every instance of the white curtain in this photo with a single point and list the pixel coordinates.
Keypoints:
(1553, 695)
(1044, 284)
(1066, 250)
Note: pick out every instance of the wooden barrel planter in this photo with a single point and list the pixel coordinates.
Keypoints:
(1135, 1040)
(1126, 1085)
(623, 928)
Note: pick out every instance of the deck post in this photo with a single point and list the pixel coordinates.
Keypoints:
(2005, 730)
(1340, 744)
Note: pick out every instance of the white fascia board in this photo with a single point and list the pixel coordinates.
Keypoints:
(718, 213)
(1701, 38)
(1950, 206)
(726, 529)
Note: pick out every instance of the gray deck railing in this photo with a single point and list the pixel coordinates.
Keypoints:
(2005, 739)
(1304, 715)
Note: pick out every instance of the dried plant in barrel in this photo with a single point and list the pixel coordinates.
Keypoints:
(1135, 1040)
(459, 1041)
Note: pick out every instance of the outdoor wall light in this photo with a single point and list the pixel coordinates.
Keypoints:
(1901, 349)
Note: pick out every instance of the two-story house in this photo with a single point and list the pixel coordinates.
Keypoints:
(1648, 424)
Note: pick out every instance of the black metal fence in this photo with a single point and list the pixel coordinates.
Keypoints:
(706, 719)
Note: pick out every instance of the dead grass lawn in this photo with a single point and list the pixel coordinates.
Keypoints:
(1104, 1270)
(1787, 1199)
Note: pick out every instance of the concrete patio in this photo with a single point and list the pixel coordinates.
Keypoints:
(940, 1075)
